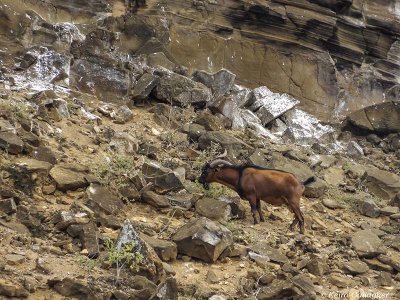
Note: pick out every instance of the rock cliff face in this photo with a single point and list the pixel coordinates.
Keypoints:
(336, 56)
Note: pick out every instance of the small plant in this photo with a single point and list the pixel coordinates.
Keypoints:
(126, 256)
(87, 263)
(114, 170)
(206, 156)
(17, 109)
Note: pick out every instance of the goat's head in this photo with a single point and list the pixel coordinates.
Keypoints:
(210, 169)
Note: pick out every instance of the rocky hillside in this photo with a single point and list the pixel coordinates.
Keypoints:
(108, 112)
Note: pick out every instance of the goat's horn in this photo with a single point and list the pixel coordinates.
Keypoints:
(217, 162)
(222, 155)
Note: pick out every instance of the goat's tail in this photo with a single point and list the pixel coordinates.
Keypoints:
(309, 180)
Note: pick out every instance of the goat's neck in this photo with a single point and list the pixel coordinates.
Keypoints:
(228, 177)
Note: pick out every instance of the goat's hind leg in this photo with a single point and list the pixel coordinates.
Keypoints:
(253, 205)
(260, 213)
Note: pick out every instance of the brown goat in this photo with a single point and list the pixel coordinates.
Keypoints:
(255, 183)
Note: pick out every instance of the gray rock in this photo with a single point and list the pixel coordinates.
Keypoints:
(160, 59)
(395, 200)
(382, 184)
(71, 287)
(263, 248)
(280, 289)
(166, 250)
(45, 154)
(356, 267)
(228, 108)
(167, 290)
(8, 206)
(14, 259)
(389, 210)
(354, 150)
(241, 95)
(330, 203)
(220, 83)
(366, 243)
(151, 267)
(123, 115)
(237, 208)
(63, 219)
(194, 131)
(101, 200)
(232, 144)
(368, 207)
(124, 143)
(177, 89)
(67, 178)
(168, 183)
(158, 201)
(10, 289)
(146, 83)
(185, 201)
(269, 106)
(209, 121)
(317, 266)
(213, 209)
(11, 143)
(89, 237)
(340, 281)
(203, 239)
(301, 170)
(316, 189)
(98, 76)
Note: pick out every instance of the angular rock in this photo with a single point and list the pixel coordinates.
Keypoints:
(8, 206)
(45, 154)
(368, 207)
(262, 261)
(237, 208)
(160, 59)
(168, 182)
(203, 239)
(99, 77)
(209, 121)
(382, 184)
(377, 265)
(67, 178)
(241, 95)
(153, 169)
(305, 128)
(391, 260)
(228, 108)
(381, 118)
(177, 89)
(166, 250)
(151, 267)
(185, 201)
(123, 115)
(102, 200)
(124, 143)
(396, 200)
(389, 210)
(354, 150)
(280, 290)
(158, 201)
(194, 131)
(334, 176)
(301, 170)
(330, 203)
(33, 165)
(366, 243)
(63, 219)
(71, 287)
(220, 83)
(14, 259)
(9, 289)
(356, 267)
(213, 209)
(167, 290)
(89, 237)
(232, 144)
(340, 281)
(275, 255)
(316, 189)
(317, 267)
(146, 83)
(11, 143)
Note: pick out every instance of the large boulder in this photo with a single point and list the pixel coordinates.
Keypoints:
(382, 118)
(11, 143)
(382, 184)
(220, 82)
(151, 267)
(203, 239)
(180, 90)
(99, 77)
